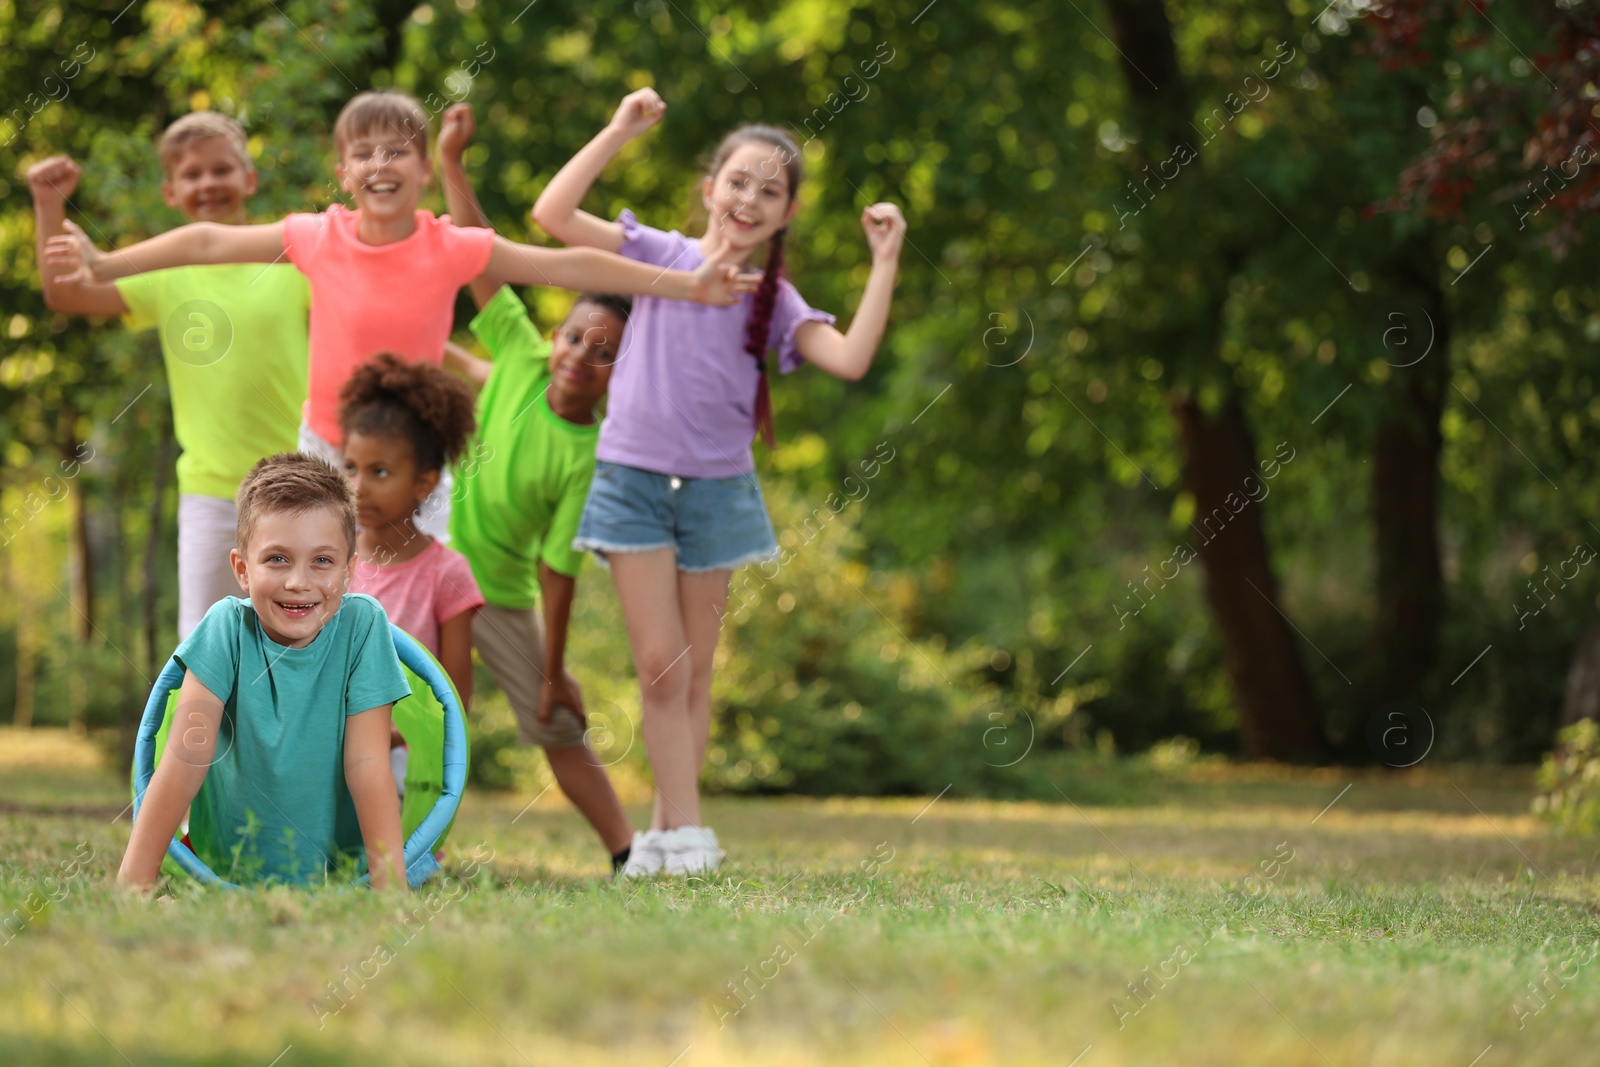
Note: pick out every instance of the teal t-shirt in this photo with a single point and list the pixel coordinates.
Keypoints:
(274, 805)
(520, 491)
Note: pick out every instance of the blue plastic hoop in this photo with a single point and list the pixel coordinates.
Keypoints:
(420, 864)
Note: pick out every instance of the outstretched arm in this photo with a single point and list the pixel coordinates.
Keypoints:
(52, 182)
(557, 210)
(191, 745)
(849, 355)
(199, 242)
(455, 133)
(371, 785)
(596, 271)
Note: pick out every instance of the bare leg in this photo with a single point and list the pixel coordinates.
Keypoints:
(702, 598)
(583, 779)
(647, 586)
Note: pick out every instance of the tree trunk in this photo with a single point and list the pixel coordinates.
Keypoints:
(1405, 636)
(27, 638)
(84, 591)
(132, 711)
(1278, 716)
(1582, 700)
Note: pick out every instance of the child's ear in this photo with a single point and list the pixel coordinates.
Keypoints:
(240, 571)
(344, 178)
(705, 192)
(251, 181)
(169, 194)
(794, 207)
(426, 482)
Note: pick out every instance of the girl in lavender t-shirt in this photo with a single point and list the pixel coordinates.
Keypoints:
(675, 504)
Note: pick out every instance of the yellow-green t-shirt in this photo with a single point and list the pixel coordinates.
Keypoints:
(520, 490)
(234, 341)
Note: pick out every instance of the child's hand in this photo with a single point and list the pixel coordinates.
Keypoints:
(74, 252)
(558, 691)
(54, 179)
(886, 231)
(455, 131)
(721, 283)
(638, 111)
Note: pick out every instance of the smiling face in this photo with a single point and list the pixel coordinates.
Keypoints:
(295, 570)
(386, 172)
(382, 469)
(749, 197)
(208, 182)
(583, 354)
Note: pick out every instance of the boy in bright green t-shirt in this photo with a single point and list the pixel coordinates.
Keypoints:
(233, 339)
(518, 496)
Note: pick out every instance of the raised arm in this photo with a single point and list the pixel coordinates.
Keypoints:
(557, 211)
(371, 785)
(596, 271)
(52, 182)
(455, 133)
(199, 242)
(191, 745)
(466, 366)
(849, 355)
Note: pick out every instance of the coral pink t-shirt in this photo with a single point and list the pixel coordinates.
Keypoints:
(367, 299)
(422, 593)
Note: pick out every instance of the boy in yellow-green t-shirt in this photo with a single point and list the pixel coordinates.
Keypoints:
(233, 339)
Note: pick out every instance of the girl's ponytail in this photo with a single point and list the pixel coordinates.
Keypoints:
(756, 343)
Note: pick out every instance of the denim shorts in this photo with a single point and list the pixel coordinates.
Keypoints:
(711, 523)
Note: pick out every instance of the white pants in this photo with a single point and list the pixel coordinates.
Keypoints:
(206, 529)
(433, 518)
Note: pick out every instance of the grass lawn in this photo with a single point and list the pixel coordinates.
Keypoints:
(1412, 922)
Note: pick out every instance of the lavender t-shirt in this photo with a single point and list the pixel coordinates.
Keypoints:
(683, 394)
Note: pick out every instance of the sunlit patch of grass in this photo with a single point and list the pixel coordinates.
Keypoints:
(903, 931)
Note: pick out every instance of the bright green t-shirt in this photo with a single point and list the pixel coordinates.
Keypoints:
(234, 341)
(520, 491)
(274, 805)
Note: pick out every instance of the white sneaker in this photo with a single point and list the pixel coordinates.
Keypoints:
(691, 850)
(645, 856)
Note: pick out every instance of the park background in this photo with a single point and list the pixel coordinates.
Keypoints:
(1234, 399)
(1169, 624)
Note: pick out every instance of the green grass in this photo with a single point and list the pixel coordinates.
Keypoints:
(1406, 930)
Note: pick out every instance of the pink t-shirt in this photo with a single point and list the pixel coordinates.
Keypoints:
(421, 593)
(367, 299)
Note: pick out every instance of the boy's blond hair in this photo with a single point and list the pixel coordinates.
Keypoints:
(382, 109)
(296, 483)
(200, 126)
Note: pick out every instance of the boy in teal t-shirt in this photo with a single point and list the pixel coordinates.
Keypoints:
(518, 496)
(279, 747)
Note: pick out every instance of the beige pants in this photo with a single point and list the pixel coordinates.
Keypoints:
(511, 643)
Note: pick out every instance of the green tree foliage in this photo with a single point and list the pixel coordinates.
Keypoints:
(1058, 308)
